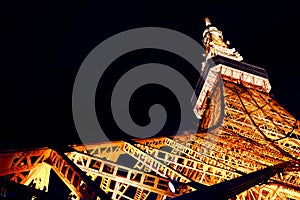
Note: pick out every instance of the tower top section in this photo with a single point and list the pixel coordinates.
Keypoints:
(215, 44)
(224, 63)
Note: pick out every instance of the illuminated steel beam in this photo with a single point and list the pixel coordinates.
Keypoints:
(200, 172)
(108, 150)
(18, 161)
(109, 172)
(74, 178)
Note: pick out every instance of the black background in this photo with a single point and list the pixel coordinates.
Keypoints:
(44, 44)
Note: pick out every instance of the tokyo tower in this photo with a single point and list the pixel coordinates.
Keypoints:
(247, 147)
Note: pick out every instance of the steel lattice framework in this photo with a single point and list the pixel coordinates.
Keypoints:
(241, 130)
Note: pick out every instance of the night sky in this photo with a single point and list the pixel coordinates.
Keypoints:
(45, 44)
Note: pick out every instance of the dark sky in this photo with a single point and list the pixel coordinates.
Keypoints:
(45, 44)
